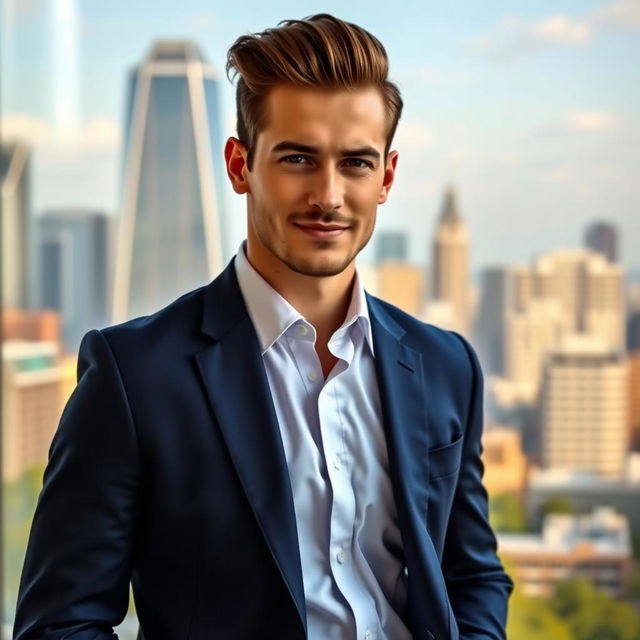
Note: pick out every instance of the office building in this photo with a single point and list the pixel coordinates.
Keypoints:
(74, 258)
(32, 404)
(594, 546)
(584, 405)
(170, 237)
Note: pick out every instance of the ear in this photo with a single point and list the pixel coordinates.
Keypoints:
(389, 173)
(235, 156)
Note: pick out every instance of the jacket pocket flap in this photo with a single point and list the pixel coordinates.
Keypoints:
(445, 459)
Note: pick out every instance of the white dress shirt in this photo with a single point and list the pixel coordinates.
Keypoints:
(350, 545)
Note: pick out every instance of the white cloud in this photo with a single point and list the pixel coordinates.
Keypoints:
(512, 36)
(200, 21)
(590, 120)
(560, 28)
(96, 134)
(100, 133)
(23, 127)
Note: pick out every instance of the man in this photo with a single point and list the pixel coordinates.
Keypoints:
(277, 454)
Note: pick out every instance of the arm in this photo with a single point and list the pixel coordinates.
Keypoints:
(75, 579)
(476, 582)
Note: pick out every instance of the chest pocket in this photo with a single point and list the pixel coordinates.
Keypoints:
(445, 460)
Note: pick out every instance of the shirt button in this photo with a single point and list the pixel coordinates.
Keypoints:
(367, 635)
(340, 556)
(302, 330)
(311, 376)
(337, 464)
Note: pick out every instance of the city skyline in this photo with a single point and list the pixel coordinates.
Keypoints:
(530, 114)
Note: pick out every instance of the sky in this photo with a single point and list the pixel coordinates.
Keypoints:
(531, 110)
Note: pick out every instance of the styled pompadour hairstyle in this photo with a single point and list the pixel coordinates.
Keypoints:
(319, 51)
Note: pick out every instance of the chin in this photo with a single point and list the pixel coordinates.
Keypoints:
(319, 268)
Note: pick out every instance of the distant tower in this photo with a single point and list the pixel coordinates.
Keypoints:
(451, 262)
(170, 238)
(603, 237)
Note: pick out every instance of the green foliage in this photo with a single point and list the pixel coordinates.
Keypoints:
(593, 614)
(557, 504)
(532, 619)
(20, 497)
(507, 514)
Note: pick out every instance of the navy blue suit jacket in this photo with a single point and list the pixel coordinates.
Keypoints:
(167, 470)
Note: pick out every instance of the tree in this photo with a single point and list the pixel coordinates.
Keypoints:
(593, 614)
(557, 504)
(507, 513)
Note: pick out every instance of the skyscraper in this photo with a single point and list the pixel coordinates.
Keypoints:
(451, 262)
(17, 227)
(74, 247)
(170, 238)
(602, 237)
(584, 408)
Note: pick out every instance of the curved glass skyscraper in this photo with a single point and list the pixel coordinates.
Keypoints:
(170, 231)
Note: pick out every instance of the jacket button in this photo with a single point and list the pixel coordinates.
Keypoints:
(430, 635)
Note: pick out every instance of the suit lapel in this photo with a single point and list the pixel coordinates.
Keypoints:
(402, 395)
(403, 398)
(233, 374)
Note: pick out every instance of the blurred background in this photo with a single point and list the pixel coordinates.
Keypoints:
(514, 219)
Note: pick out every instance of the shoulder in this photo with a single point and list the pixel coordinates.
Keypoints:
(169, 328)
(448, 349)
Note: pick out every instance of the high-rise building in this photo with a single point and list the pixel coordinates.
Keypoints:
(73, 258)
(32, 403)
(584, 407)
(496, 301)
(170, 238)
(602, 237)
(633, 331)
(589, 288)
(450, 264)
(564, 292)
(634, 401)
(391, 245)
(17, 226)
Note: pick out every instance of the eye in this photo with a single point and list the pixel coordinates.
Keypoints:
(298, 158)
(358, 163)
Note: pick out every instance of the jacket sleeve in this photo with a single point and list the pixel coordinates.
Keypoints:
(75, 579)
(477, 585)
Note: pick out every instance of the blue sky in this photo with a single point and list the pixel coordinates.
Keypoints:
(531, 109)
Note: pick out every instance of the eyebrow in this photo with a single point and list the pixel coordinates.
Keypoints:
(289, 145)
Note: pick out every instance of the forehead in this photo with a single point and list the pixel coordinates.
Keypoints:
(319, 115)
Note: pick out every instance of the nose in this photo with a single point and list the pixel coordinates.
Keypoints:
(326, 190)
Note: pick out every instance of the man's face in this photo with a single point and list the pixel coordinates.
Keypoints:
(318, 176)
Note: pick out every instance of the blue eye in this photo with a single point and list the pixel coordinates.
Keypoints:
(295, 159)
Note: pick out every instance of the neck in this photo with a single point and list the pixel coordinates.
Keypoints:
(323, 301)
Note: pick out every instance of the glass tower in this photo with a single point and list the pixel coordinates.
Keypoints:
(170, 235)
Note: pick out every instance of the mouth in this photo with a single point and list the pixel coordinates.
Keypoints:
(321, 231)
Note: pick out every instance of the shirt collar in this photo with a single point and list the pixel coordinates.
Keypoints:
(272, 315)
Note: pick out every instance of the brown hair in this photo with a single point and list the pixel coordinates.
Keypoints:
(318, 51)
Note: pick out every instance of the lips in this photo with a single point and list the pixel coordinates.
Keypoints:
(322, 231)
